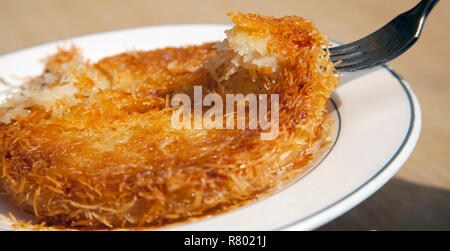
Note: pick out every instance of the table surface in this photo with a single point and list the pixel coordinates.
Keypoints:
(418, 197)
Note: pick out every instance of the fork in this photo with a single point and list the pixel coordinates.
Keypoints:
(384, 44)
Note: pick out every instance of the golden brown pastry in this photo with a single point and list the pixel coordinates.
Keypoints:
(90, 145)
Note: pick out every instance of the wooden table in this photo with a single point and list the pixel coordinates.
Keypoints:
(419, 195)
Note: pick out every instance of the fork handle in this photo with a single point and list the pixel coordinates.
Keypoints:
(424, 7)
(417, 15)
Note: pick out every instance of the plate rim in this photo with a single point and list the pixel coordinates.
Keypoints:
(106, 32)
(380, 178)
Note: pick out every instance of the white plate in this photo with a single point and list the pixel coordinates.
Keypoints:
(378, 120)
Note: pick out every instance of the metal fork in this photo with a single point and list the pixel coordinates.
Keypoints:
(384, 44)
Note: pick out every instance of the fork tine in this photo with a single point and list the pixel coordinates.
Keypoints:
(378, 49)
(344, 51)
(381, 55)
(335, 58)
(348, 48)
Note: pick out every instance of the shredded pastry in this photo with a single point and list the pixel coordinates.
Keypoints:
(90, 145)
